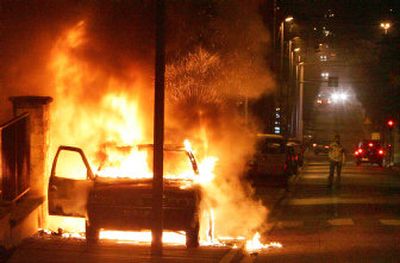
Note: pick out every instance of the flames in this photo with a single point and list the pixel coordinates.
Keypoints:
(254, 245)
(98, 111)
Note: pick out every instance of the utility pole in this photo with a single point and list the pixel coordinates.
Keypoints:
(158, 151)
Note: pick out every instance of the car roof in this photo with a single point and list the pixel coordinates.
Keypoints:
(167, 147)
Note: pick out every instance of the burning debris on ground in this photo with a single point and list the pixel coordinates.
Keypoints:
(101, 80)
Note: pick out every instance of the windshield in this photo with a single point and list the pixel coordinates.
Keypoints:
(137, 162)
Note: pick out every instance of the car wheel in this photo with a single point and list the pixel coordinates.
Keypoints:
(192, 236)
(92, 233)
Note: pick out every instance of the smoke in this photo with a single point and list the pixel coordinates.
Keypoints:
(96, 59)
(223, 63)
(120, 40)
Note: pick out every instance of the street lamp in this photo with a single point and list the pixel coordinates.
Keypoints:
(282, 33)
(385, 26)
(291, 88)
(300, 102)
(289, 19)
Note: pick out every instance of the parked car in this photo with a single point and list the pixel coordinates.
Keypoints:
(298, 150)
(292, 159)
(124, 203)
(269, 164)
(370, 151)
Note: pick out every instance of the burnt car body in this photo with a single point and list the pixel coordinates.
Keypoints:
(124, 203)
(369, 151)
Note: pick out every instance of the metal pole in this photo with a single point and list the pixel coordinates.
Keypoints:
(282, 29)
(157, 212)
(274, 37)
(289, 92)
(301, 99)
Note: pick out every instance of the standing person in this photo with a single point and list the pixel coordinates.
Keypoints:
(336, 159)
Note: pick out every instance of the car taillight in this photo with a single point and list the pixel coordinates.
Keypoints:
(360, 150)
(356, 152)
(381, 152)
(314, 145)
(370, 144)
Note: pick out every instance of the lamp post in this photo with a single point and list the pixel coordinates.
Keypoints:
(282, 40)
(281, 64)
(291, 92)
(300, 81)
(158, 149)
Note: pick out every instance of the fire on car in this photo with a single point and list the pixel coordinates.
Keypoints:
(124, 201)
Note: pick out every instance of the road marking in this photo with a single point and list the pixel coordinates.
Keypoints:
(340, 200)
(390, 222)
(341, 222)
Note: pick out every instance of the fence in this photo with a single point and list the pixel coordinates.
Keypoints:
(15, 158)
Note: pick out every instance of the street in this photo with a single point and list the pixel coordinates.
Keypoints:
(358, 222)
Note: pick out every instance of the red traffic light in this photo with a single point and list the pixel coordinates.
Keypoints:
(390, 123)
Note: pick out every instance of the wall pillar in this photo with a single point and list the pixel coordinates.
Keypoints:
(39, 123)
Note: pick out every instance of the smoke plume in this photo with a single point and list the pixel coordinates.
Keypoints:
(96, 59)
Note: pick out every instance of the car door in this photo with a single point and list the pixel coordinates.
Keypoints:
(70, 182)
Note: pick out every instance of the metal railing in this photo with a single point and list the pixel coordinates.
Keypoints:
(14, 158)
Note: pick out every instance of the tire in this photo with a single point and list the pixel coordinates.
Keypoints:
(192, 236)
(92, 234)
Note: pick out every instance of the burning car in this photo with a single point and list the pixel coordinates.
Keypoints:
(124, 201)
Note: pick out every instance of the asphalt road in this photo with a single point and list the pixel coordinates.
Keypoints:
(356, 222)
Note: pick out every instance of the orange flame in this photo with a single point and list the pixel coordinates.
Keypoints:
(254, 245)
(112, 112)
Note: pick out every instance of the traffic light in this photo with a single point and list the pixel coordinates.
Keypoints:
(390, 124)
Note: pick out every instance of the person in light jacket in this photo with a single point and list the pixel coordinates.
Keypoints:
(336, 160)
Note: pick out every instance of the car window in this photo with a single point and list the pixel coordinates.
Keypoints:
(138, 162)
(70, 165)
(177, 163)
